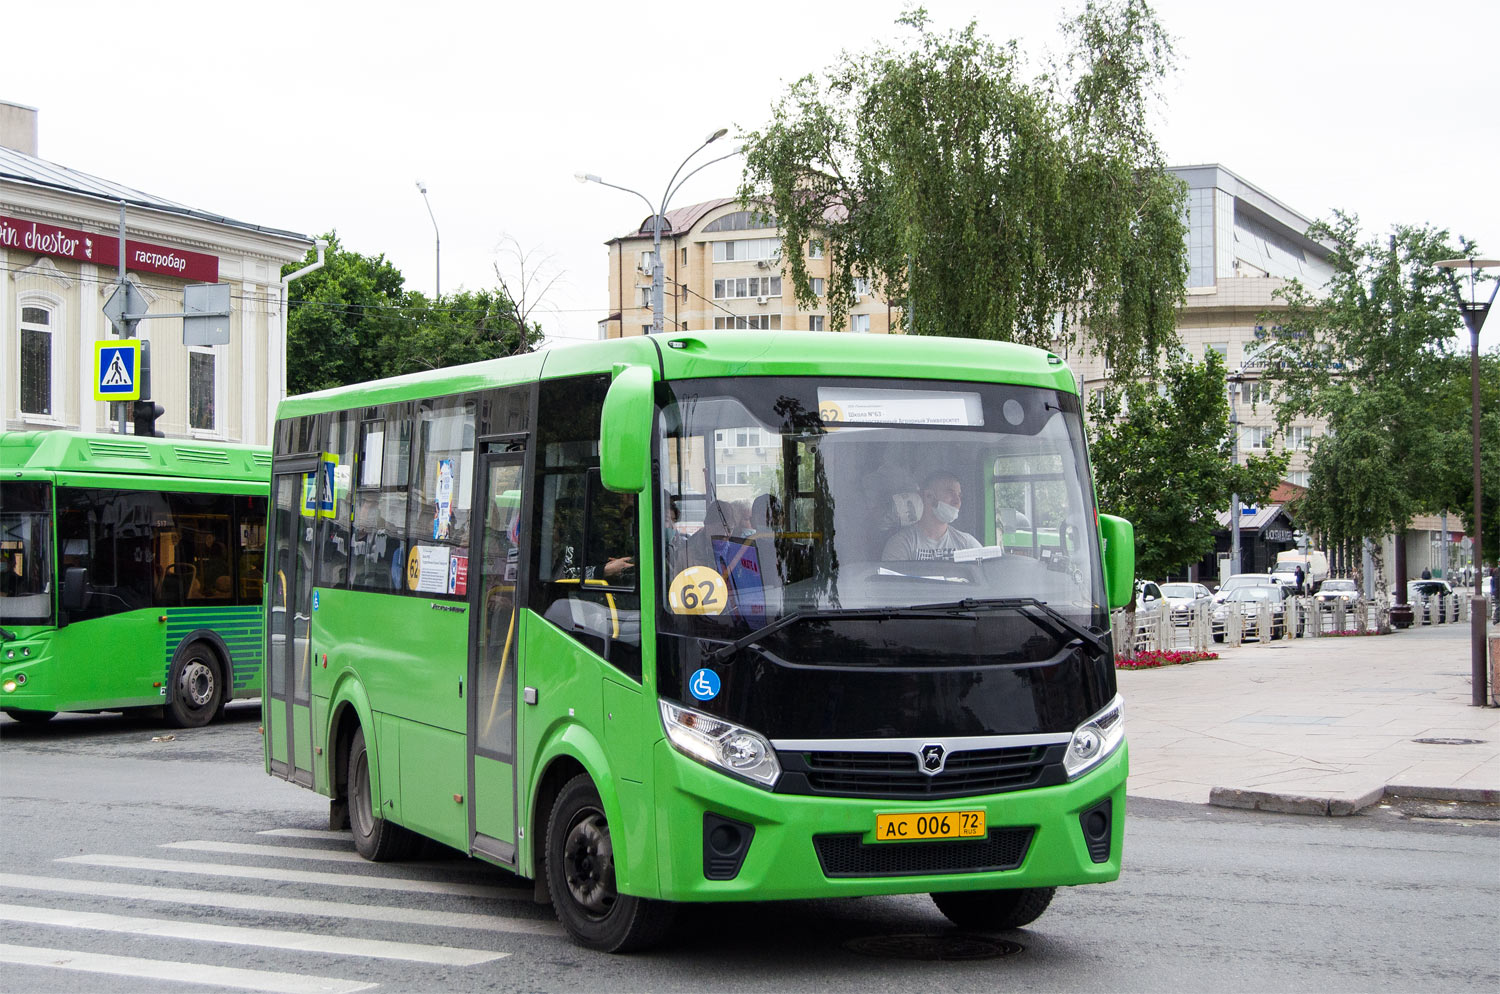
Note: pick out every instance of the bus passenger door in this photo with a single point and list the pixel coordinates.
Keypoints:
(498, 560)
(289, 578)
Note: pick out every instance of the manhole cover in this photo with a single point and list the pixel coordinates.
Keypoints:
(1450, 742)
(932, 947)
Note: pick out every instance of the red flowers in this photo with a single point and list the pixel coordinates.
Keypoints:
(1153, 658)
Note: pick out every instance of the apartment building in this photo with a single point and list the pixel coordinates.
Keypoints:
(725, 268)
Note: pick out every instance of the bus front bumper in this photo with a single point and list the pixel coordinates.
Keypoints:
(725, 840)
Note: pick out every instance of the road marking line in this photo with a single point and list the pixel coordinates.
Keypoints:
(237, 935)
(196, 974)
(281, 905)
(281, 852)
(342, 834)
(303, 877)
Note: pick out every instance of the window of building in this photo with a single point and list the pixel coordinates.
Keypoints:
(1301, 439)
(684, 257)
(645, 329)
(1200, 237)
(741, 221)
(1259, 438)
(817, 286)
(644, 264)
(751, 322)
(859, 323)
(815, 249)
(1299, 477)
(1260, 392)
(644, 293)
(747, 286)
(815, 322)
(203, 390)
(39, 365)
(1220, 347)
(747, 250)
(861, 287)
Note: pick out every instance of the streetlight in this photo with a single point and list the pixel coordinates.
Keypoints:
(1474, 313)
(437, 245)
(658, 272)
(1235, 379)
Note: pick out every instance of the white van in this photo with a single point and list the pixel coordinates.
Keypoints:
(1314, 569)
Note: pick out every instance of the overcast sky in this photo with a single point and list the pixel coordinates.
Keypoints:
(318, 116)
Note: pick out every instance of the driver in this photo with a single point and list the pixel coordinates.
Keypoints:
(932, 536)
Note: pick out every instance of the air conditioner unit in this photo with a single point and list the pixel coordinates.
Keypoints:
(762, 300)
(763, 264)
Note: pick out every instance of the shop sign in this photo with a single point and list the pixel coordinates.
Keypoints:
(104, 250)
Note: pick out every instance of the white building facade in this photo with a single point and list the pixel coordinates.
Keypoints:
(59, 263)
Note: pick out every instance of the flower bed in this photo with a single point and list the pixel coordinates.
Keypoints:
(1152, 658)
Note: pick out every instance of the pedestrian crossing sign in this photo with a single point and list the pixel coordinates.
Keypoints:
(116, 368)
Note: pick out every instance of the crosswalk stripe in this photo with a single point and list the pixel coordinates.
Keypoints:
(197, 974)
(281, 852)
(342, 834)
(280, 905)
(303, 876)
(237, 935)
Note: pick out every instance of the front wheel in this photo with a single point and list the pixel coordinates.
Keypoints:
(375, 838)
(581, 878)
(994, 910)
(195, 690)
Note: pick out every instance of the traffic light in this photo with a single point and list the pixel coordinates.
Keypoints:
(145, 415)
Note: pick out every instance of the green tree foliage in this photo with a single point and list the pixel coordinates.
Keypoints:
(1161, 450)
(339, 318)
(463, 327)
(354, 321)
(993, 206)
(1374, 354)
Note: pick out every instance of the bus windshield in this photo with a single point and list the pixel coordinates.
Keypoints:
(828, 497)
(25, 579)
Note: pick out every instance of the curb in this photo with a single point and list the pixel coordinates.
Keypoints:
(1340, 807)
(1293, 804)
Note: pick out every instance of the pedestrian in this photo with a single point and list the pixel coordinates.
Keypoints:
(1426, 573)
(1495, 591)
(1300, 577)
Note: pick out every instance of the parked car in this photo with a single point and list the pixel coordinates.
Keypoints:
(1238, 580)
(1430, 595)
(1247, 600)
(1338, 590)
(1183, 598)
(1148, 598)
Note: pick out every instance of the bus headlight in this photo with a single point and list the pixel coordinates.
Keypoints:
(715, 742)
(1096, 739)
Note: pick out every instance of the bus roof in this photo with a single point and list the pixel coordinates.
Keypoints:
(64, 451)
(692, 354)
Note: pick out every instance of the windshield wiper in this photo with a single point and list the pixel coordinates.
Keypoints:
(876, 613)
(1040, 612)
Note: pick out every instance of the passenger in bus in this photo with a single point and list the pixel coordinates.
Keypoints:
(932, 536)
(213, 566)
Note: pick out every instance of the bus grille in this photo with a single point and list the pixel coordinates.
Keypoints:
(202, 454)
(896, 774)
(848, 856)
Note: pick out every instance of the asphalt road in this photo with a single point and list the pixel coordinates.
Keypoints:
(139, 865)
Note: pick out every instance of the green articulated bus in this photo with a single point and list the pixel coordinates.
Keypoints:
(708, 617)
(130, 574)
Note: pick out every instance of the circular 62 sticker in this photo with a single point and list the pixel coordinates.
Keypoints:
(697, 590)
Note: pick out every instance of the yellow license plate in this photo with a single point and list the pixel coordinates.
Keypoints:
(929, 825)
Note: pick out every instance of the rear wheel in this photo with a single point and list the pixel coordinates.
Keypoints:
(994, 910)
(195, 688)
(375, 838)
(31, 717)
(581, 878)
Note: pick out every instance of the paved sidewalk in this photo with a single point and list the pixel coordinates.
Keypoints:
(1318, 726)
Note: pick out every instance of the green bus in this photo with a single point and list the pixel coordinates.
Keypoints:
(130, 574)
(651, 621)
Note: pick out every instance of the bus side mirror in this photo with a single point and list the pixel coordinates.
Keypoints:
(75, 589)
(1119, 558)
(625, 431)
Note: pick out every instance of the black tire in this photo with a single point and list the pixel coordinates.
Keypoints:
(195, 688)
(994, 910)
(581, 878)
(1218, 638)
(31, 717)
(376, 839)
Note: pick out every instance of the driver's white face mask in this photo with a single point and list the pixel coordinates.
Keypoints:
(944, 512)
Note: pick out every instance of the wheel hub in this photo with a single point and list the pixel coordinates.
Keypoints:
(197, 683)
(589, 863)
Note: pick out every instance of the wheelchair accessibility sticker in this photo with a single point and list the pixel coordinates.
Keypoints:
(704, 685)
(315, 600)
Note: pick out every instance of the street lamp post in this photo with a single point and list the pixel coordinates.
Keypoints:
(1235, 379)
(658, 271)
(1474, 312)
(437, 245)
